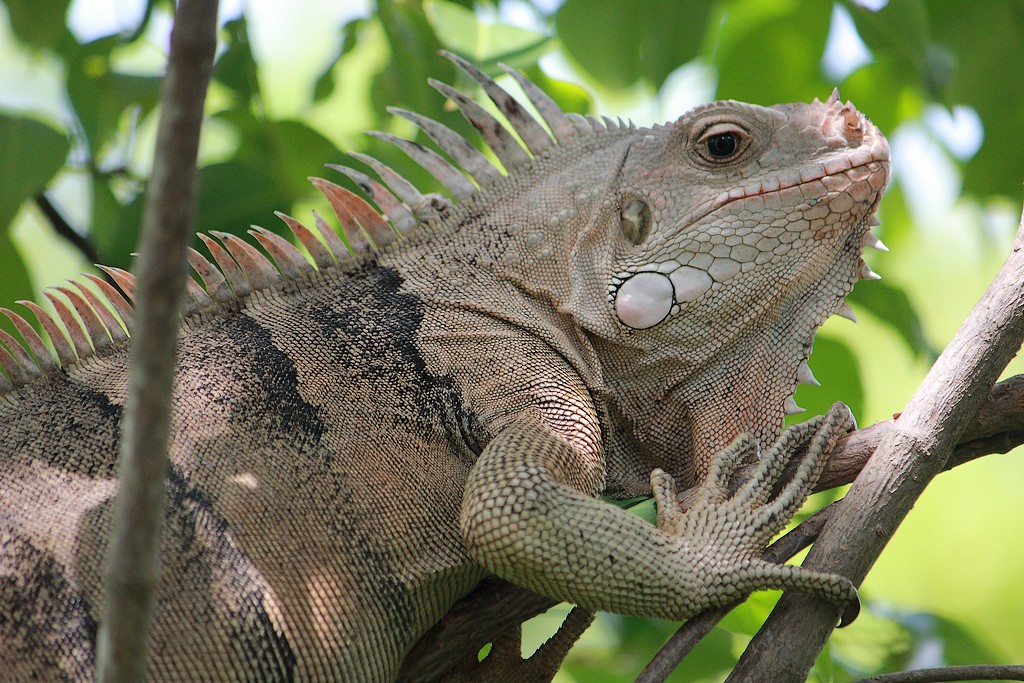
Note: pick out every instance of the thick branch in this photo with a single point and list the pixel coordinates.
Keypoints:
(133, 560)
(497, 605)
(915, 449)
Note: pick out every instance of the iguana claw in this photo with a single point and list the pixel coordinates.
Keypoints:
(729, 532)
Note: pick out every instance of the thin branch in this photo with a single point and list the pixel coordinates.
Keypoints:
(62, 227)
(133, 559)
(981, 672)
(914, 450)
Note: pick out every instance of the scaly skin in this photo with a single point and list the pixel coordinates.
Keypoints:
(355, 446)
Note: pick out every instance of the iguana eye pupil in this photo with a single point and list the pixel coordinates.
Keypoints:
(722, 146)
(635, 220)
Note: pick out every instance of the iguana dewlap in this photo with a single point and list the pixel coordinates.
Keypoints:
(357, 441)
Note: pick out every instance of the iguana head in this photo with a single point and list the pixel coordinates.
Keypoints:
(734, 233)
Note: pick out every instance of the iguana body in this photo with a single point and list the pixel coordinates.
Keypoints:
(355, 446)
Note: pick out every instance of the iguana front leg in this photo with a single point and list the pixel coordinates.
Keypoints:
(525, 517)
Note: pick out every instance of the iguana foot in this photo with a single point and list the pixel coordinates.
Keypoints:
(505, 663)
(728, 533)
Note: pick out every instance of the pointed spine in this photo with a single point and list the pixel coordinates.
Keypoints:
(498, 138)
(213, 280)
(78, 336)
(364, 228)
(445, 173)
(255, 267)
(289, 260)
(44, 358)
(845, 311)
(123, 279)
(95, 330)
(15, 362)
(454, 145)
(61, 346)
(532, 133)
(402, 188)
(226, 265)
(321, 254)
(549, 110)
(111, 296)
(395, 211)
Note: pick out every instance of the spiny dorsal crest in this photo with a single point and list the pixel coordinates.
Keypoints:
(90, 317)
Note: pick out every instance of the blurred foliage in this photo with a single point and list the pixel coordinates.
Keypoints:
(88, 151)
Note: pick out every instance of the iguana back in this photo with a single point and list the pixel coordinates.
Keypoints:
(622, 299)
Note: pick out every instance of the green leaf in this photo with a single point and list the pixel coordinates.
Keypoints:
(893, 307)
(236, 67)
(414, 58)
(836, 367)
(900, 30)
(619, 43)
(15, 283)
(771, 52)
(234, 195)
(603, 38)
(324, 86)
(485, 44)
(674, 34)
(986, 38)
(31, 153)
(101, 96)
(39, 23)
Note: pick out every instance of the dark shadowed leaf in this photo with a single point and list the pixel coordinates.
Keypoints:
(835, 366)
(39, 23)
(31, 153)
(234, 195)
(893, 307)
(236, 67)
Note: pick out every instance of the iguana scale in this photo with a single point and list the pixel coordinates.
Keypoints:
(359, 438)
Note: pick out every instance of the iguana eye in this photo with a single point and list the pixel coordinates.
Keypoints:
(723, 145)
(722, 142)
(635, 220)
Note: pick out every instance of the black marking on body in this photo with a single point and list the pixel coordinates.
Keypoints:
(379, 325)
(84, 428)
(280, 399)
(46, 626)
(198, 539)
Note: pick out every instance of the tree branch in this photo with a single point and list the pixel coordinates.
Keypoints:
(915, 449)
(986, 672)
(133, 558)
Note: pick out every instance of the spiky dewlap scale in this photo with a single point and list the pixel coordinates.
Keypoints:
(92, 316)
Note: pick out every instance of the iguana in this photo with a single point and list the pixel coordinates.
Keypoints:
(364, 430)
